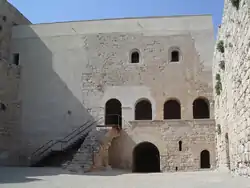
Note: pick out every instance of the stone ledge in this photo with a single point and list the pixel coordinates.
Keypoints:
(160, 123)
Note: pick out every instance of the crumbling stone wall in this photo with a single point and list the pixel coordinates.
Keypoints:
(231, 87)
(196, 136)
(9, 85)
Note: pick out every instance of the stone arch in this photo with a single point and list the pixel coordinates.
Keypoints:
(205, 159)
(143, 110)
(174, 54)
(201, 108)
(135, 56)
(113, 112)
(172, 109)
(146, 158)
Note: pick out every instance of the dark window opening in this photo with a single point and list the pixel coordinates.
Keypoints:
(175, 56)
(146, 158)
(205, 159)
(176, 169)
(180, 145)
(3, 107)
(227, 150)
(143, 110)
(4, 18)
(226, 137)
(135, 57)
(16, 59)
(113, 112)
(201, 109)
(1, 28)
(172, 110)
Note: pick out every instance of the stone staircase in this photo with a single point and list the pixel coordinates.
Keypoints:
(47, 151)
(93, 153)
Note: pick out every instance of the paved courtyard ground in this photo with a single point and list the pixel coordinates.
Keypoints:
(56, 178)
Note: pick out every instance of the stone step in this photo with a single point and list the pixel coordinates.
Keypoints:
(91, 154)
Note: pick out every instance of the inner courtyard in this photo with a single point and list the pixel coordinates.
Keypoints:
(55, 178)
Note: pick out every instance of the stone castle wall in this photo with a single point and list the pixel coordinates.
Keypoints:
(196, 136)
(84, 70)
(73, 73)
(232, 82)
(9, 84)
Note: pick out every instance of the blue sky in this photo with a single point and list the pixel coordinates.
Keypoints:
(40, 11)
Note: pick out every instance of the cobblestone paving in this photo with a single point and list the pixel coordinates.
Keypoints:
(56, 178)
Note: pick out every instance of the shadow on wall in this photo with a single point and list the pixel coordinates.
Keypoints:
(51, 92)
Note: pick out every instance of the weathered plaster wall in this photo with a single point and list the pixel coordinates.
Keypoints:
(9, 83)
(232, 105)
(196, 136)
(77, 66)
(200, 27)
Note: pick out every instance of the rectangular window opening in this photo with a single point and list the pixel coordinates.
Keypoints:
(16, 59)
(4, 18)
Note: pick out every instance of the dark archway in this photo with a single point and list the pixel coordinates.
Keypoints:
(201, 109)
(205, 159)
(146, 158)
(172, 110)
(143, 110)
(113, 112)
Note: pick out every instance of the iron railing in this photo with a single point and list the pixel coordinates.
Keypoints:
(116, 120)
(48, 146)
(120, 121)
(113, 120)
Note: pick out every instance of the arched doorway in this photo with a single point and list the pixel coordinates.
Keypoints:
(143, 110)
(113, 112)
(205, 159)
(201, 109)
(172, 110)
(146, 158)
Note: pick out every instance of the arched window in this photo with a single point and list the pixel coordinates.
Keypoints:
(201, 109)
(172, 109)
(175, 56)
(135, 56)
(113, 112)
(180, 145)
(143, 110)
